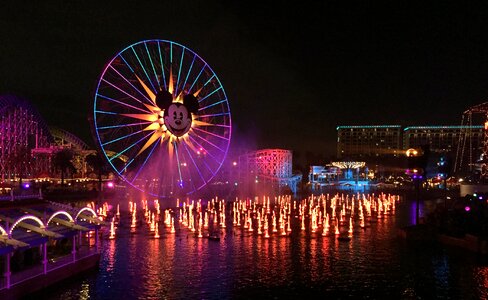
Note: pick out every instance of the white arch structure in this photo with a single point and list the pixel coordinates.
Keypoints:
(26, 217)
(86, 209)
(61, 212)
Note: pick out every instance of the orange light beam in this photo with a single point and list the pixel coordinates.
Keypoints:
(130, 83)
(145, 117)
(150, 141)
(148, 90)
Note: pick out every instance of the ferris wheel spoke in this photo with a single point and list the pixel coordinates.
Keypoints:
(209, 142)
(126, 63)
(130, 83)
(106, 112)
(162, 66)
(216, 103)
(194, 164)
(203, 161)
(190, 165)
(209, 80)
(212, 115)
(122, 137)
(144, 163)
(121, 103)
(123, 125)
(122, 91)
(144, 70)
(127, 148)
(196, 79)
(206, 151)
(178, 163)
(208, 95)
(152, 64)
(210, 169)
(127, 164)
(189, 71)
(205, 124)
(179, 71)
(211, 133)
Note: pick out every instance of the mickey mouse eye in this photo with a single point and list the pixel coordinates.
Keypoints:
(181, 115)
(174, 115)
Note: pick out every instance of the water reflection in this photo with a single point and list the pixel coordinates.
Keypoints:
(373, 264)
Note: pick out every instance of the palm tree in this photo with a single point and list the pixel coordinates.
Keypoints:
(62, 162)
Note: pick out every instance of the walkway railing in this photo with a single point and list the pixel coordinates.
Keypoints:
(53, 264)
(12, 196)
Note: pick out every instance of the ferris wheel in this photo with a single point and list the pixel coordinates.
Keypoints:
(162, 118)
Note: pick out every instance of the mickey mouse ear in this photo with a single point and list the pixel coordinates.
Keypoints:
(164, 99)
(191, 103)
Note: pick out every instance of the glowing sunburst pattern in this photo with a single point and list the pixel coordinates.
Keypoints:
(348, 164)
(161, 105)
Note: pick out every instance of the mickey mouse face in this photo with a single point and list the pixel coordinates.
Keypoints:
(177, 119)
(177, 116)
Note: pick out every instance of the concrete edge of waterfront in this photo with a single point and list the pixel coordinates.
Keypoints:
(423, 233)
(469, 242)
(41, 281)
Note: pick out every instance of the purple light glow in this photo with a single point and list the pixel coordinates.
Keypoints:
(467, 208)
(110, 184)
(26, 185)
(117, 83)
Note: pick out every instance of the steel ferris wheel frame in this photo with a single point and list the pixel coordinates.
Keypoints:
(163, 107)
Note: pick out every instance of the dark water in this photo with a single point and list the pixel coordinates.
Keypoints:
(375, 264)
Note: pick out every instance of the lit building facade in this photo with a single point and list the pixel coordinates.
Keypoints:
(392, 140)
(443, 139)
(323, 174)
(368, 141)
(268, 168)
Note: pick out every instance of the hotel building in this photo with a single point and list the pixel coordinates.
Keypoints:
(392, 140)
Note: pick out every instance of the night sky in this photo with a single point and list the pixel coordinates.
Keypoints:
(292, 72)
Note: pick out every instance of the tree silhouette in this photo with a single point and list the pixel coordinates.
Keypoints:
(20, 160)
(97, 163)
(62, 161)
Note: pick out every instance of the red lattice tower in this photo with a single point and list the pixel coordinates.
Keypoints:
(269, 166)
(22, 130)
(465, 138)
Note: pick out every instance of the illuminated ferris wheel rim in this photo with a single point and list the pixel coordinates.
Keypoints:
(158, 41)
(206, 66)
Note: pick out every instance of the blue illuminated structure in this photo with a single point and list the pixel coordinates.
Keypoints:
(441, 127)
(169, 148)
(367, 126)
